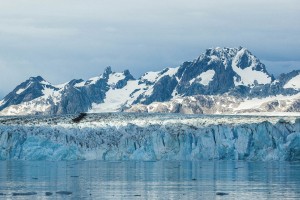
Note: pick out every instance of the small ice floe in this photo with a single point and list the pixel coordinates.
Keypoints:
(64, 192)
(48, 193)
(23, 193)
(222, 193)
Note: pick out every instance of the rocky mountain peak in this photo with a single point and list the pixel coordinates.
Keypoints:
(107, 72)
(216, 72)
(36, 79)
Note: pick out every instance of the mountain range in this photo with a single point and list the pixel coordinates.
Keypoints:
(219, 81)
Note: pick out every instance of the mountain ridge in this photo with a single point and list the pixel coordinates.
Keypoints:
(228, 72)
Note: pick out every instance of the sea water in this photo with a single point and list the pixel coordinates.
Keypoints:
(149, 180)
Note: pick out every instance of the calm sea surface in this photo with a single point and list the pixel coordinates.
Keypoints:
(149, 180)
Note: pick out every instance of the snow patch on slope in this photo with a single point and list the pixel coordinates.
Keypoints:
(171, 71)
(94, 80)
(23, 89)
(61, 86)
(50, 93)
(81, 84)
(150, 76)
(117, 98)
(249, 75)
(114, 78)
(256, 103)
(2, 102)
(155, 76)
(205, 77)
(293, 83)
(213, 59)
(45, 82)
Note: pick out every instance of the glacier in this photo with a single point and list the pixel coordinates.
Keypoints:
(150, 137)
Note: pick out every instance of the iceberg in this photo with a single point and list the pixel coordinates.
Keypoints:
(150, 137)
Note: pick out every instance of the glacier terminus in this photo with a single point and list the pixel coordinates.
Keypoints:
(150, 137)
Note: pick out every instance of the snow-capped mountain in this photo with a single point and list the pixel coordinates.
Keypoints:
(221, 80)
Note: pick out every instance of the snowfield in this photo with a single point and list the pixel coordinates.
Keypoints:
(293, 83)
(127, 136)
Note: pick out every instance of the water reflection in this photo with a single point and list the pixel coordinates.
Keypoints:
(149, 180)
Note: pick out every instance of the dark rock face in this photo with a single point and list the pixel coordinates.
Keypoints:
(162, 90)
(73, 101)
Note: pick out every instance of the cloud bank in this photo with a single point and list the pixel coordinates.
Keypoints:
(65, 39)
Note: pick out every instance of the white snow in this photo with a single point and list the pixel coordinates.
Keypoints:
(94, 80)
(204, 78)
(52, 94)
(257, 102)
(248, 75)
(116, 98)
(114, 78)
(213, 59)
(61, 86)
(81, 84)
(150, 76)
(45, 82)
(2, 102)
(275, 82)
(48, 91)
(154, 76)
(171, 71)
(293, 83)
(23, 89)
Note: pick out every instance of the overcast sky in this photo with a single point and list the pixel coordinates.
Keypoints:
(65, 39)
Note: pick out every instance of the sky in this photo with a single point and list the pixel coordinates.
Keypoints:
(66, 39)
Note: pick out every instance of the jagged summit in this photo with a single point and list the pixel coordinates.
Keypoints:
(217, 71)
(36, 78)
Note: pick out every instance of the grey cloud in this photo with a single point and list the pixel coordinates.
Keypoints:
(79, 39)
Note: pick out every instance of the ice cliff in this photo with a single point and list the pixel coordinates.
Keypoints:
(150, 137)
